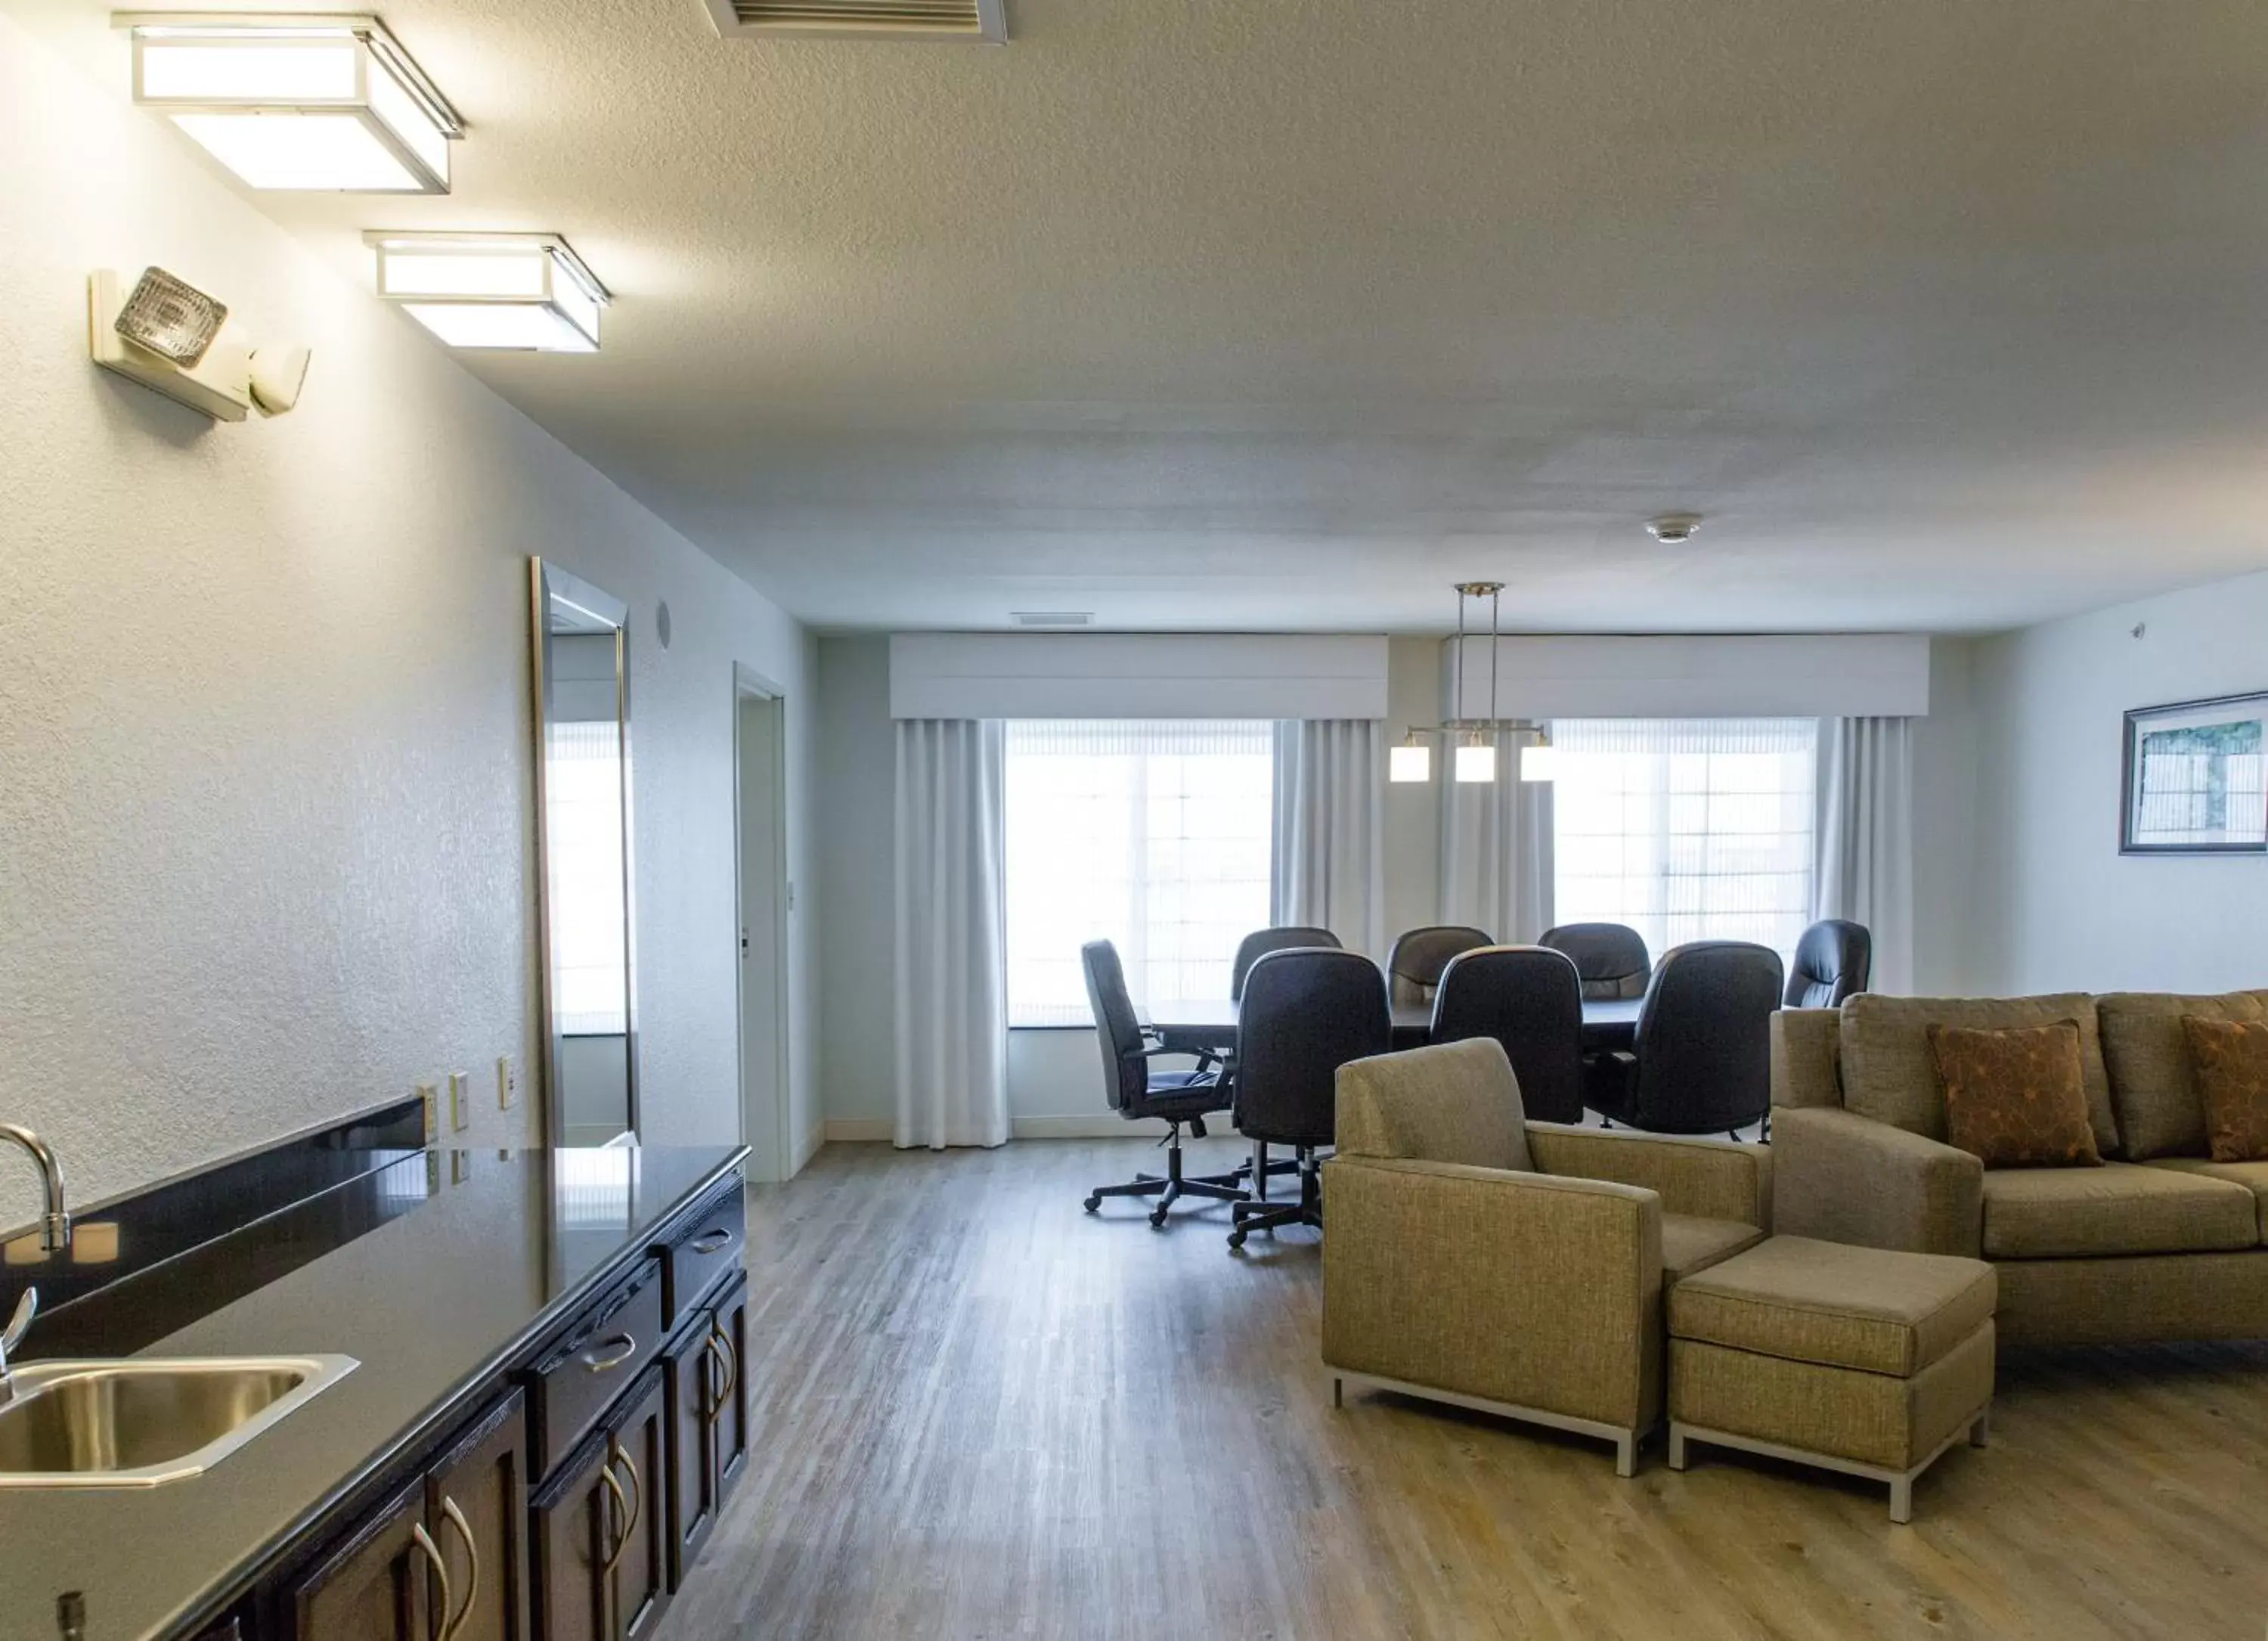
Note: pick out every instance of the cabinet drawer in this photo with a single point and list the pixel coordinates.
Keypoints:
(706, 1253)
(605, 1351)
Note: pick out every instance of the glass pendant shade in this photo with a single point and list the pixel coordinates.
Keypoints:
(528, 292)
(1475, 763)
(1410, 763)
(1540, 762)
(311, 103)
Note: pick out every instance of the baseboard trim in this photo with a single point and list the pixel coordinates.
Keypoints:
(1102, 1125)
(809, 1149)
(858, 1130)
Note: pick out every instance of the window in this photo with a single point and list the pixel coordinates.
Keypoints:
(1686, 829)
(1155, 836)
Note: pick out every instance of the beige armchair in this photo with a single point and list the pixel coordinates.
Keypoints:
(1475, 1258)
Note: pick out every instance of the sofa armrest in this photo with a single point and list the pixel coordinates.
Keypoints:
(1807, 1057)
(1844, 1177)
(1713, 1178)
(1514, 1288)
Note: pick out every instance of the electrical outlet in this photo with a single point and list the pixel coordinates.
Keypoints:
(460, 1112)
(507, 1082)
(429, 1093)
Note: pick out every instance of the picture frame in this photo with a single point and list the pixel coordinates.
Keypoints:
(2194, 777)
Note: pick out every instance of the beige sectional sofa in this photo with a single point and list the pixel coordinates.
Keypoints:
(2159, 1243)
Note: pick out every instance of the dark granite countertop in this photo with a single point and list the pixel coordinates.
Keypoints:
(430, 1272)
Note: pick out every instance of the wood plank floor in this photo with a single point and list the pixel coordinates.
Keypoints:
(981, 1414)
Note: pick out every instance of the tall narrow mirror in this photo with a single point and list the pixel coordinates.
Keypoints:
(583, 835)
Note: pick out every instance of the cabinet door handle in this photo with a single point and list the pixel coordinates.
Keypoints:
(431, 1552)
(456, 1518)
(622, 1539)
(729, 1360)
(625, 1348)
(616, 1455)
(714, 1242)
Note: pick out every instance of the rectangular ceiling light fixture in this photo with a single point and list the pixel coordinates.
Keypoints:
(524, 291)
(976, 21)
(315, 102)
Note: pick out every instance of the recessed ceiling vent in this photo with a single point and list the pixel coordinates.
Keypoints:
(977, 20)
(1051, 618)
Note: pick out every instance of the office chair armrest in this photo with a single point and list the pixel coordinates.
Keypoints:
(1711, 1179)
(1844, 1177)
(1514, 1286)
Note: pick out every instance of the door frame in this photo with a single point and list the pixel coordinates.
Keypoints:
(749, 685)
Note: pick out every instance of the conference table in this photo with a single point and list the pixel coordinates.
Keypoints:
(1207, 1025)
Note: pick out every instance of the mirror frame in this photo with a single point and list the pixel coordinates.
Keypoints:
(548, 583)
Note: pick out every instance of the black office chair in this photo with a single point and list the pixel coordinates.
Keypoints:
(1413, 968)
(1136, 1090)
(1261, 942)
(1832, 961)
(1611, 958)
(1530, 999)
(1305, 1014)
(1702, 1060)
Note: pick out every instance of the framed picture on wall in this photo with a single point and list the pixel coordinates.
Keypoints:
(2196, 777)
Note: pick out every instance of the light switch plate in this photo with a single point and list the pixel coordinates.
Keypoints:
(459, 1110)
(429, 1093)
(507, 1082)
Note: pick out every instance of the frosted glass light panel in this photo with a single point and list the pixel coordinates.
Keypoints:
(1408, 763)
(528, 292)
(322, 104)
(1476, 764)
(1539, 763)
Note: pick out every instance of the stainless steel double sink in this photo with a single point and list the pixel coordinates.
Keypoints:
(144, 1421)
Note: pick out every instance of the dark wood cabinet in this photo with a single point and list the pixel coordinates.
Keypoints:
(477, 1512)
(602, 1527)
(708, 1423)
(377, 1584)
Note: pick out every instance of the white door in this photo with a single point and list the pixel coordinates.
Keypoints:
(763, 936)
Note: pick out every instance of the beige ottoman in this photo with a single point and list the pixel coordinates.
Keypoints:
(1857, 1359)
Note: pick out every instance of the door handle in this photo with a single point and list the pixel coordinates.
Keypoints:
(455, 1517)
(728, 1360)
(634, 1507)
(431, 1552)
(621, 1539)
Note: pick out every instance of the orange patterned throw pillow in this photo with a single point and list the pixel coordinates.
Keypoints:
(2015, 1097)
(2232, 1076)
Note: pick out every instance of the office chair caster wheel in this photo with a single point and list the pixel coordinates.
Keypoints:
(1235, 1240)
(1093, 1204)
(1158, 1217)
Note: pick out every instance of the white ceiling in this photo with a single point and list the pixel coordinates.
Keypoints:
(1289, 313)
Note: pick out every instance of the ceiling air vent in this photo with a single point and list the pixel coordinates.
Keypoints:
(1051, 618)
(867, 19)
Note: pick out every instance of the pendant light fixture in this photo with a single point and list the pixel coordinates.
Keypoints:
(1471, 741)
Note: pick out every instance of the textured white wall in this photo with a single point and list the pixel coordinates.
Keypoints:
(2056, 906)
(265, 839)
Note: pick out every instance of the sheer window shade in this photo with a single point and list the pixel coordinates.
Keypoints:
(1687, 829)
(1155, 836)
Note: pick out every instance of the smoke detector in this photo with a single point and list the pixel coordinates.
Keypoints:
(1673, 529)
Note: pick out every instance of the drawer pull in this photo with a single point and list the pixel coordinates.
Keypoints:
(625, 1348)
(713, 1242)
(622, 1534)
(634, 1507)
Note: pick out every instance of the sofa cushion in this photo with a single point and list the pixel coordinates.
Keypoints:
(1889, 1074)
(2153, 1078)
(1691, 1244)
(1871, 1309)
(2120, 1207)
(1451, 1103)
(2232, 1073)
(2015, 1097)
(2252, 1176)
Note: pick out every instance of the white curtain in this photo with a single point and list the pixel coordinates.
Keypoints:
(1497, 848)
(952, 992)
(1864, 837)
(1329, 860)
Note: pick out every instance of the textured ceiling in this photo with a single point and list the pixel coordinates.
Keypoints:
(1288, 313)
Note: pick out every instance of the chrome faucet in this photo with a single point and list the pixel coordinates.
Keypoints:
(54, 1237)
